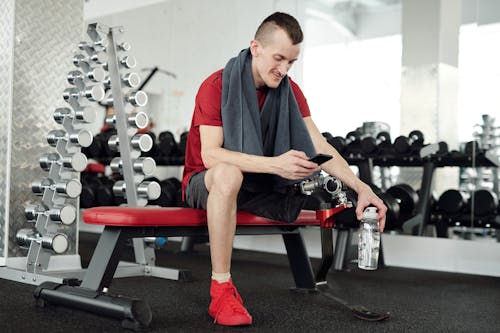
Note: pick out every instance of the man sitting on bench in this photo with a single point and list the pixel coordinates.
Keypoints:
(251, 137)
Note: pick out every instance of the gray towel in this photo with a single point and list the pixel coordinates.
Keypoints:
(284, 127)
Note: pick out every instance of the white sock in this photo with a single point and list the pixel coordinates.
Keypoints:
(221, 277)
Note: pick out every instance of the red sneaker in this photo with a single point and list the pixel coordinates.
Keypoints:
(227, 306)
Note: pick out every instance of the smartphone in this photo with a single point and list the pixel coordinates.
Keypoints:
(320, 158)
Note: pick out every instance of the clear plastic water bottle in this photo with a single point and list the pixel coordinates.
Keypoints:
(369, 240)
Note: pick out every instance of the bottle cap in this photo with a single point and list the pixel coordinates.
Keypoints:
(370, 213)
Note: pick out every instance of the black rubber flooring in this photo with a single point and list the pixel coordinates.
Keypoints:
(419, 301)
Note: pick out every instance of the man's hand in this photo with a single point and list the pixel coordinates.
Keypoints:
(294, 165)
(366, 198)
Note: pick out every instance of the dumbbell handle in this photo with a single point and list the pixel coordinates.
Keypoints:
(83, 137)
(71, 188)
(57, 242)
(76, 162)
(86, 115)
(93, 93)
(80, 60)
(66, 214)
(93, 74)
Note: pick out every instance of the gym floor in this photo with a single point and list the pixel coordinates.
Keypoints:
(419, 301)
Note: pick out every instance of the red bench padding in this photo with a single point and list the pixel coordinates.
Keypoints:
(176, 217)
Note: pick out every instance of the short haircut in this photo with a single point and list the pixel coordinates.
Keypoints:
(280, 20)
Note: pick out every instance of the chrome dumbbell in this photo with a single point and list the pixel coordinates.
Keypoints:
(136, 119)
(57, 242)
(85, 115)
(124, 46)
(131, 80)
(76, 161)
(330, 184)
(128, 62)
(93, 74)
(84, 61)
(147, 190)
(142, 142)
(71, 188)
(137, 98)
(65, 214)
(145, 165)
(83, 137)
(100, 44)
(93, 93)
(93, 48)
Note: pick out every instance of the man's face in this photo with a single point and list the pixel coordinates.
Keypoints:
(273, 59)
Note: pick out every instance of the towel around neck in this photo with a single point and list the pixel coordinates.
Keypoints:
(272, 131)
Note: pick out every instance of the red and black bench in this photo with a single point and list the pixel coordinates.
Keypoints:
(123, 223)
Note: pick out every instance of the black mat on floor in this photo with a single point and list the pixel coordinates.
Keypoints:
(419, 301)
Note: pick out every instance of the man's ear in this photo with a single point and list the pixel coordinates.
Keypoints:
(254, 46)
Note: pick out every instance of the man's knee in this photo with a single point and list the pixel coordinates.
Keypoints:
(225, 178)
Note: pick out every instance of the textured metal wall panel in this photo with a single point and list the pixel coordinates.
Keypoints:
(6, 68)
(46, 33)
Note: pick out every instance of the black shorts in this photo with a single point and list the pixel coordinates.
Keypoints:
(277, 206)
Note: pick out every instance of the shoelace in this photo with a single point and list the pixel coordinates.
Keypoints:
(232, 299)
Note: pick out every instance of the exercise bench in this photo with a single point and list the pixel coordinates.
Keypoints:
(123, 223)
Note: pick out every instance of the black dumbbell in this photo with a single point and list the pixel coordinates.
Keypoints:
(96, 191)
(407, 199)
(182, 144)
(107, 152)
(89, 188)
(452, 202)
(169, 192)
(104, 195)
(167, 145)
(350, 144)
(485, 202)
(392, 216)
(95, 150)
(471, 147)
(382, 143)
(413, 143)
(327, 135)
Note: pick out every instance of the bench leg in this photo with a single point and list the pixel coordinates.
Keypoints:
(105, 259)
(326, 254)
(299, 262)
(342, 245)
(89, 296)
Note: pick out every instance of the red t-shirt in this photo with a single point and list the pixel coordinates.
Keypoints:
(207, 111)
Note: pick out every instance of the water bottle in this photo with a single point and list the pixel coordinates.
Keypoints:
(369, 240)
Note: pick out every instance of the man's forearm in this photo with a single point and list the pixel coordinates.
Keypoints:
(246, 162)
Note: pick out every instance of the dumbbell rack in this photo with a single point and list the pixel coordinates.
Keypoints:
(129, 164)
(57, 213)
(103, 61)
